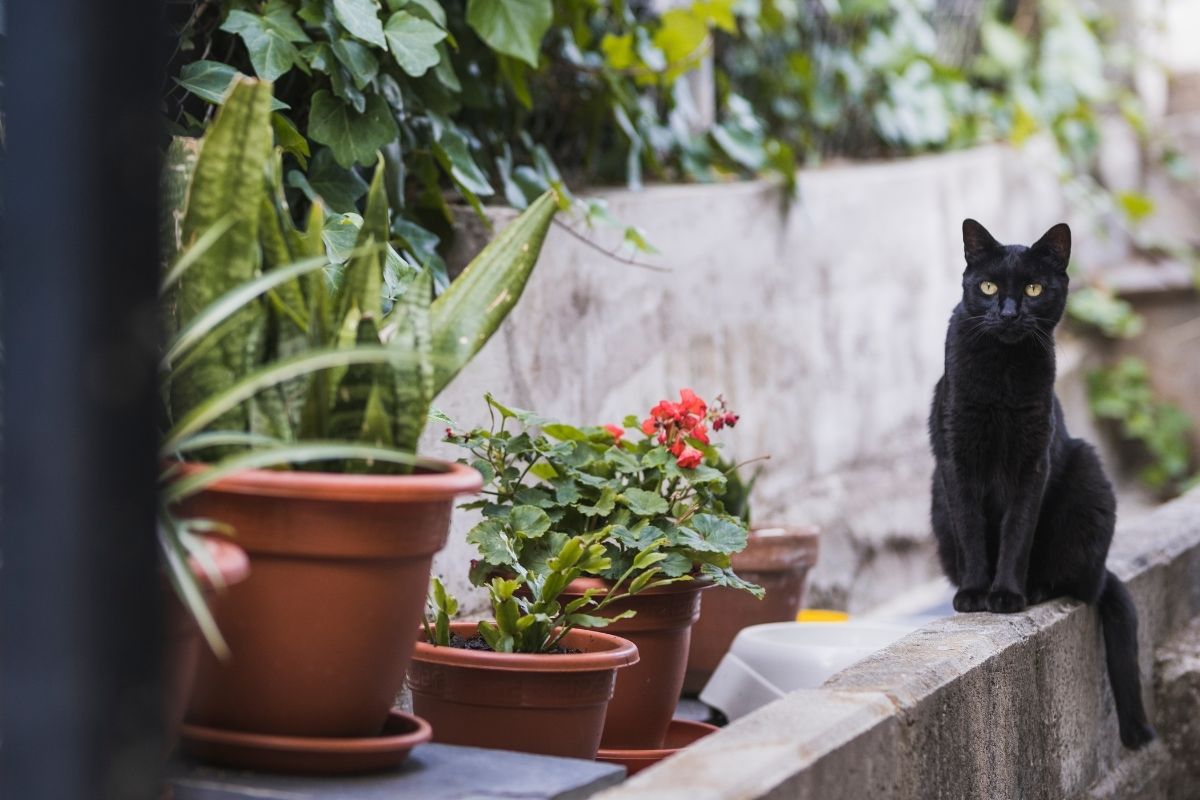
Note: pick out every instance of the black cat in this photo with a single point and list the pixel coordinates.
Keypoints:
(1023, 512)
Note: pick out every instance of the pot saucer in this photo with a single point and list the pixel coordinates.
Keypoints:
(680, 734)
(315, 756)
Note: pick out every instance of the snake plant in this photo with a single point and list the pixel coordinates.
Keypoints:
(287, 349)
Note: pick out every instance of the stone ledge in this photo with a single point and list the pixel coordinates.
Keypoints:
(970, 706)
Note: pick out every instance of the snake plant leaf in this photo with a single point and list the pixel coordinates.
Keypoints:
(357, 397)
(465, 316)
(216, 406)
(359, 293)
(413, 385)
(228, 306)
(175, 552)
(228, 179)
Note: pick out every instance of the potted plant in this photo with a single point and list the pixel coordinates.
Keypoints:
(548, 481)
(299, 347)
(537, 677)
(777, 557)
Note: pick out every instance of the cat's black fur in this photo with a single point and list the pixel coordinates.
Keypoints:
(1023, 512)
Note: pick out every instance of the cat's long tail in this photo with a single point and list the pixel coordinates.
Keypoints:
(1118, 618)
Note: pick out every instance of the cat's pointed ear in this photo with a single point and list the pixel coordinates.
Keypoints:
(977, 242)
(1055, 244)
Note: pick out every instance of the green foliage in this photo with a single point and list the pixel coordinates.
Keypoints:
(470, 95)
(1123, 393)
(1106, 312)
(548, 482)
(317, 334)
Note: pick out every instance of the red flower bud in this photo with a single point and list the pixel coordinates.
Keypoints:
(677, 447)
(649, 425)
(690, 458)
(616, 432)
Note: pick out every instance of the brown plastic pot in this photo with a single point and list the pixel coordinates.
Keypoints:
(646, 695)
(322, 631)
(552, 704)
(777, 558)
(183, 634)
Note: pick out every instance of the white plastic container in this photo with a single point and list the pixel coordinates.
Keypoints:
(765, 662)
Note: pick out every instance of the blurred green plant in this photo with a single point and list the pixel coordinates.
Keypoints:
(1123, 393)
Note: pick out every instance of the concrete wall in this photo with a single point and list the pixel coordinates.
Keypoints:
(822, 324)
(982, 705)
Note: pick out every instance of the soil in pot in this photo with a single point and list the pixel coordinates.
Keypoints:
(646, 695)
(183, 634)
(553, 704)
(778, 558)
(321, 632)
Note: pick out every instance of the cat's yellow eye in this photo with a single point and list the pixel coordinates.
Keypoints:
(1033, 289)
(988, 288)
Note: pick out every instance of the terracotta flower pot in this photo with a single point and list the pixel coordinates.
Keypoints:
(646, 695)
(777, 558)
(322, 631)
(553, 704)
(183, 634)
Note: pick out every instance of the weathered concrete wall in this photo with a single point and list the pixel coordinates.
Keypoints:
(980, 705)
(823, 325)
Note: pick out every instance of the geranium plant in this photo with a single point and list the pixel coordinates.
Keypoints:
(658, 488)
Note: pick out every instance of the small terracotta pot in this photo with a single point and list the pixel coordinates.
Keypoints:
(553, 704)
(646, 695)
(680, 734)
(183, 634)
(322, 631)
(777, 558)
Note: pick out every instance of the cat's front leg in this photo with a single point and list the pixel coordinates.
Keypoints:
(965, 508)
(1007, 592)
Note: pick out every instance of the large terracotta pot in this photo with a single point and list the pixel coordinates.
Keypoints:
(322, 631)
(777, 558)
(646, 695)
(553, 704)
(183, 634)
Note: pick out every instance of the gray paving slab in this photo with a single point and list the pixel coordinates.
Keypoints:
(432, 772)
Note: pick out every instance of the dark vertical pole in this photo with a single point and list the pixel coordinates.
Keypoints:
(79, 588)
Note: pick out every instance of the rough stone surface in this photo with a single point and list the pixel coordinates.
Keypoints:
(432, 772)
(822, 324)
(1177, 695)
(983, 705)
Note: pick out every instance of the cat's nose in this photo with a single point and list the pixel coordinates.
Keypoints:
(1008, 309)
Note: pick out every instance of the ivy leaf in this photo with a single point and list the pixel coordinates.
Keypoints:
(529, 521)
(358, 60)
(413, 42)
(643, 503)
(210, 80)
(430, 8)
(512, 27)
(339, 189)
(289, 138)
(454, 154)
(271, 52)
(361, 19)
(353, 138)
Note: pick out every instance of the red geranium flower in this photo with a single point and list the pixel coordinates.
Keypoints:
(690, 458)
(699, 432)
(649, 426)
(616, 431)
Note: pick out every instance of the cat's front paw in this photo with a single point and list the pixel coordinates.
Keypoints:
(969, 600)
(1002, 601)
